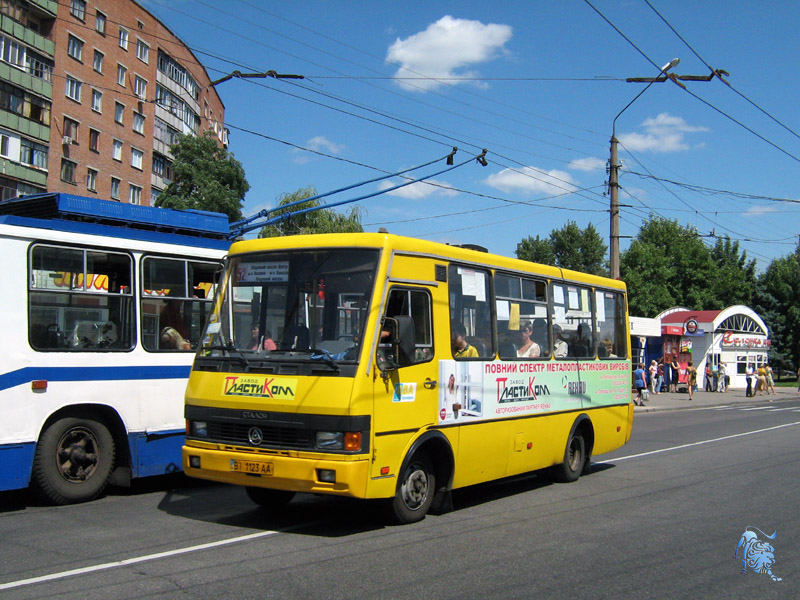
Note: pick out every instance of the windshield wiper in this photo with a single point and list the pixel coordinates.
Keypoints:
(231, 349)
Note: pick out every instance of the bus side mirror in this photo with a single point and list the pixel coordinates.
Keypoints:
(397, 344)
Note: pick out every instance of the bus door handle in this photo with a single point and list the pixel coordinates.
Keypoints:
(430, 384)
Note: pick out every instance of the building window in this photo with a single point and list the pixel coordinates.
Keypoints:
(98, 60)
(100, 23)
(119, 113)
(115, 188)
(138, 123)
(117, 155)
(5, 142)
(140, 87)
(75, 48)
(73, 89)
(142, 51)
(94, 140)
(97, 101)
(71, 129)
(77, 8)
(135, 194)
(68, 171)
(162, 166)
(121, 73)
(91, 180)
(154, 194)
(136, 158)
(33, 154)
(13, 53)
(123, 38)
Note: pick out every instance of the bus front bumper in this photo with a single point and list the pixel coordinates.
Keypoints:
(345, 476)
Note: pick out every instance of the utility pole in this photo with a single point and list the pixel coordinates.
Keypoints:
(613, 167)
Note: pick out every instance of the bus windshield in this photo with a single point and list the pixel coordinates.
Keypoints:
(297, 305)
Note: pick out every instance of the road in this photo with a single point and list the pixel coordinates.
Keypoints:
(659, 518)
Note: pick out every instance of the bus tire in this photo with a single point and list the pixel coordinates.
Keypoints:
(269, 499)
(73, 461)
(415, 490)
(574, 459)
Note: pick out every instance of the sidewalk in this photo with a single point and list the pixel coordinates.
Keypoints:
(677, 401)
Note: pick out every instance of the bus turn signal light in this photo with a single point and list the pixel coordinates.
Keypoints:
(352, 440)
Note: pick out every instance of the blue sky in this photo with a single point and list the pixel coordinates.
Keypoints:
(389, 85)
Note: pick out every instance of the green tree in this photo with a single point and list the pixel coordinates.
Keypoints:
(324, 220)
(205, 177)
(569, 248)
(734, 280)
(776, 301)
(668, 265)
(536, 250)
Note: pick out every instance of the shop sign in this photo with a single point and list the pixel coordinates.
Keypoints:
(671, 330)
(732, 340)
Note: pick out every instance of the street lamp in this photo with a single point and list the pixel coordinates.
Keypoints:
(613, 175)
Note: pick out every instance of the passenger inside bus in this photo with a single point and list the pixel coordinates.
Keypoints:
(174, 332)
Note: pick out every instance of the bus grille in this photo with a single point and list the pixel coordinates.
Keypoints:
(274, 436)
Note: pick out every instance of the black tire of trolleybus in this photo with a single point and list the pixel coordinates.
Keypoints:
(73, 460)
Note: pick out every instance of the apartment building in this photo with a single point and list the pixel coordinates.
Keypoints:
(93, 94)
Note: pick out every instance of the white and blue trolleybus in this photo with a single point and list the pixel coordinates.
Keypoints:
(103, 304)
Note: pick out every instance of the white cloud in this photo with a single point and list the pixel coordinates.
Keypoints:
(419, 190)
(529, 180)
(446, 49)
(319, 143)
(665, 133)
(587, 164)
(761, 210)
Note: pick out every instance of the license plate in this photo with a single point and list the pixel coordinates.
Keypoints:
(252, 466)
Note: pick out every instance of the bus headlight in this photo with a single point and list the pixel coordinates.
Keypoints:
(199, 429)
(330, 440)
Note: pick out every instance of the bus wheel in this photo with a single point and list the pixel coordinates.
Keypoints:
(415, 491)
(269, 499)
(73, 460)
(574, 460)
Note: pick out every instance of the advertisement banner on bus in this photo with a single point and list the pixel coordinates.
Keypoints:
(474, 390)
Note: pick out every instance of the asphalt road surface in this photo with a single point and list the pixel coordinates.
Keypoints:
(659, 518)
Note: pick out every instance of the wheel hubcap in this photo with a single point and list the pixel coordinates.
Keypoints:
(77, 455)
(415, 488)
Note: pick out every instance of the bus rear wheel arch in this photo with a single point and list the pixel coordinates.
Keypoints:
(73, 460)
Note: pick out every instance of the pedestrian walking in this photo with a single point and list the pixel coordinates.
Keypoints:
(660, 383)
(723, 378)
(653, 370)
(770, 380)
(640, 383)
(691, 378)
(749, 373)
(708, 378)
(761, 380)
(676, 372)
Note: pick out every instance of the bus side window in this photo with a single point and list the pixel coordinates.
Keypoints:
(471, 311)
(416, 304)
(610, 315)
(175, 299)
(79, 300)
(521, 317)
